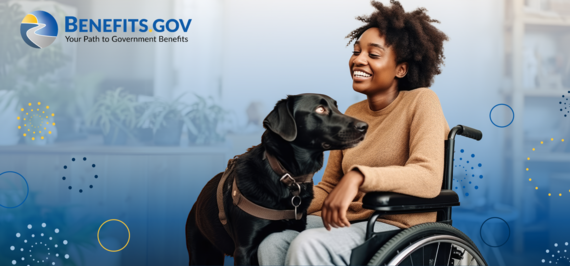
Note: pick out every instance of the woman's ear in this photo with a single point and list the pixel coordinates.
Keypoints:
(401, 70)
(281, 121)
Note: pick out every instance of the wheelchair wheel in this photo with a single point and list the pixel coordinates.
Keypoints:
(429, 244)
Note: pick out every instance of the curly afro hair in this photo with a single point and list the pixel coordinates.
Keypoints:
(412, 37)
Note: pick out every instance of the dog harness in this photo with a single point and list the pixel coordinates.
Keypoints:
(254, 209)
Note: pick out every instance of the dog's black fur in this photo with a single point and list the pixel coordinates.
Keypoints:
(297, 136)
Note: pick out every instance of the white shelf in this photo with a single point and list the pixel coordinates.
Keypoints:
(545, 19)
(539, 92)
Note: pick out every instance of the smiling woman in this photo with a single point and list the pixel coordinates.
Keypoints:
(396, 56)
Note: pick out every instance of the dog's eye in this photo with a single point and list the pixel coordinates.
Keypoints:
(321, 110)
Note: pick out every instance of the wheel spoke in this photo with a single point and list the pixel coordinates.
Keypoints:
(450, 251)
(435, 259)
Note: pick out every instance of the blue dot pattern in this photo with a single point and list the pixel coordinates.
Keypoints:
(565, 105)
(458, 178)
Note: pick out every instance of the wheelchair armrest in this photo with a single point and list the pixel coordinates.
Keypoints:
(396, 202)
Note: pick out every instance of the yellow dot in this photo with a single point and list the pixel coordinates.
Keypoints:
(18, 118)
(29, 104)
(541, 142)
(44, 128)
(527, 169)
(42, 137)
(43, 112)
(28, 129)
(40, 132)
(53, 124)
(52, 114)
(560, 194)
(39, 103)
(22, 109)
(24, 134)
(536, 188)
(24, 124)
(37, 109)
(549, 194)
(24, 119)
(150, 30)
(47, 123)
(26, 113)
(47, 107)
(34, 132)
(33, 138)
(528, 159)
(31, 110)
(530, 179)
(19, 127)
(46, 116)
(49, 132)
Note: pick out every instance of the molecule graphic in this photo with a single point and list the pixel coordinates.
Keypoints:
(87, 167)
(557, 255)
(564, 107)
(464, 171)
(35, 122)
(37, 249)
(527, 169)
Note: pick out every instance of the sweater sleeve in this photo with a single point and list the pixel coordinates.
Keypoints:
(331, 177)
(422, 174)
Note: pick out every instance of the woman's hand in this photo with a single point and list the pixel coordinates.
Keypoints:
(336, 203)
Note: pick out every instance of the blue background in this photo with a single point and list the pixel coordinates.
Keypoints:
(252, 53)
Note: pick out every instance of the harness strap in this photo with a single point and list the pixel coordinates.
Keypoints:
(286, 178)
(220, 194)
(256, 210)
(260, 211)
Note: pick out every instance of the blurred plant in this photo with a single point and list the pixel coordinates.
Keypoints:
(12, 49)
(11, 45)
(156, 113)
(24, 69)
(114, 108)
(205, 116)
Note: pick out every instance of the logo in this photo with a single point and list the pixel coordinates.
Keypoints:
(39, 29)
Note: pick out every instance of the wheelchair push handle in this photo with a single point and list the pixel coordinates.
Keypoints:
(469, 132)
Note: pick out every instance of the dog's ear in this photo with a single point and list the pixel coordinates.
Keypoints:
(281, 120)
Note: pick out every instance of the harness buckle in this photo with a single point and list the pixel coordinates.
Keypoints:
(287, 175)
(296, 205)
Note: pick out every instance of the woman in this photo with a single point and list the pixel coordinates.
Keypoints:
(396, 56)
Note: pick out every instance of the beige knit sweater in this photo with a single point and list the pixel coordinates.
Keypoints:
(403, 152)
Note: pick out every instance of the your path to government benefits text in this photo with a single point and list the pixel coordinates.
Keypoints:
(126, 39)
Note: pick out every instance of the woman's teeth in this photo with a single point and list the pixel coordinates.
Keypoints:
(361, 74)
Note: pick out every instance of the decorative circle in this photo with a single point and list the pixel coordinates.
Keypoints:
(35, 245)
(27, 190)
(481, 232)
(73, 159)
(127, 239)
(513, 119)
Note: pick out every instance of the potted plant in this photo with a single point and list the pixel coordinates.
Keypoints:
(115, 113)
(203, 120)
(12, 50)
(166, 120)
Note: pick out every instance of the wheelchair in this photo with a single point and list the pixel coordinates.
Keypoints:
(436, 243)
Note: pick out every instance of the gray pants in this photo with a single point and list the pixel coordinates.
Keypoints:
(315, 245)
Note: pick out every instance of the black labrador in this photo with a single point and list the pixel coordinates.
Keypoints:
(298, 130)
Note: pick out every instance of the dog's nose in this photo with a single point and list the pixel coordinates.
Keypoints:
(361, 126)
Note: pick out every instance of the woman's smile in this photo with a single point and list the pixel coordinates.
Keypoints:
(361, 75)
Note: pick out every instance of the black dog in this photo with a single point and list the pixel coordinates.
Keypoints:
(299, 129)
